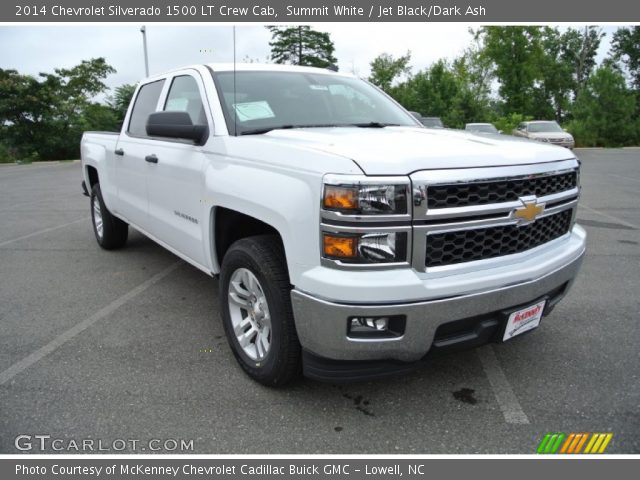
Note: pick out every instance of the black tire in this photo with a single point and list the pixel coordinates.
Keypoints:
(114, 231)
(264, 257)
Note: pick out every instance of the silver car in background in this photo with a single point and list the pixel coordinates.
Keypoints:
(488, 128)
(545, 131)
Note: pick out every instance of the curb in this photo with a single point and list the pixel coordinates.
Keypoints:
(43, 163)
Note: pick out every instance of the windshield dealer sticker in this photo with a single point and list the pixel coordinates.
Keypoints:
(253, 111)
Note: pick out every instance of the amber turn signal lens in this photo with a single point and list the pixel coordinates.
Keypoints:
(343, 198)
(341, 247)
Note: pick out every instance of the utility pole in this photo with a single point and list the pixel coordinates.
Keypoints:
(143, 30)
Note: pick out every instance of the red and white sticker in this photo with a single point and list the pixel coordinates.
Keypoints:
(524, 320)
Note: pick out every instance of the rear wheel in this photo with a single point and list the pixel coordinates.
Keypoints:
(256, 310)
(110, 231)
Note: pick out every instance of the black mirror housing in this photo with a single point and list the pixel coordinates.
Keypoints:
(176, 125)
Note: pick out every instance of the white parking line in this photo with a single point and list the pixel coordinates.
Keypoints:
(501, 387)
(610, 217)
(40, 232)
(61, 339)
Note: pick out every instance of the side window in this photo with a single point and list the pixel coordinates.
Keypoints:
(184, 96)
(146, 103)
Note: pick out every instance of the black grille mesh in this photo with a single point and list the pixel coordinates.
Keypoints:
(467, 245)
(483, 193)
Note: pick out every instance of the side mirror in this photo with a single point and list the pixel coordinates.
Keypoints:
(500, 131)
(175, 125)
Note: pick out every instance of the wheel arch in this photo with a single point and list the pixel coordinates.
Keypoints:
(229, 226)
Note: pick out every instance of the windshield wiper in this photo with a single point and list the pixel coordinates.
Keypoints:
(373, 125)
(259, 131)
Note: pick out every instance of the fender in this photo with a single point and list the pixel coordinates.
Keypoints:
(274, 197)
(98, 156)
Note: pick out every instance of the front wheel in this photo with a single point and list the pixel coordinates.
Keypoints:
(256, 310)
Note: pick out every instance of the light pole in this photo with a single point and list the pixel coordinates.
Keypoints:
(143, 30)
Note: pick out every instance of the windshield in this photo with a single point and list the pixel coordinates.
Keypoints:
(432, 122)
(266, 100)
(540, 127)
(484, 128)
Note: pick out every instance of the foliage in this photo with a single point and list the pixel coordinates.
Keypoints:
(540, 73)
(604, 111)
(5, 154)
(625, 47)
(516, 53)
(119, 101)
(301, 45)
(385, 69)
(579, 49)
(44, 117)
(509, 122)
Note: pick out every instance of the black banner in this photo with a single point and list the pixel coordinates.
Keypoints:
(287, 11)
(314, 468)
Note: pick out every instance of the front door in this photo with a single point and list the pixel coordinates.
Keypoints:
(176, 181)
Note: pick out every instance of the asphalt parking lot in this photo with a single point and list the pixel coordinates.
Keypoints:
(128, 345)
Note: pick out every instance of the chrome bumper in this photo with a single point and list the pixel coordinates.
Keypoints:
(322, 325)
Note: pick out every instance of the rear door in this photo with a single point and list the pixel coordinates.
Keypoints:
(131, 167)
(176, 181)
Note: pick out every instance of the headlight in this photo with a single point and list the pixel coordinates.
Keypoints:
(365, 221)
(369, 247)
(366, 199)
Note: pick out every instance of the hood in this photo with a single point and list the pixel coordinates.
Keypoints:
(404, 150)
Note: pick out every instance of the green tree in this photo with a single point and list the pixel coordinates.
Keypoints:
(625, 47)
(385, 69)
(476, 69)
(301, 45)
(516, 53)
(552, 89)
(434, 93)
(579, 49)
(43, 118)
(603, 111)
(119, 101)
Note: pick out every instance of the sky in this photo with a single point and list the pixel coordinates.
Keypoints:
(34, 49)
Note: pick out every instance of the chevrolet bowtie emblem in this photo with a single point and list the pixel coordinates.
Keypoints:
(530, 210)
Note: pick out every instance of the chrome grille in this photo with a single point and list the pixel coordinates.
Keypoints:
(468, 245)
(465, 215)
(483, 193)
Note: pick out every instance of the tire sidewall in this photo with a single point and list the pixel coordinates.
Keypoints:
(96, 196)
(234, 260)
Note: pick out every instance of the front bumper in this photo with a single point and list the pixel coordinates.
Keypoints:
(322, 324)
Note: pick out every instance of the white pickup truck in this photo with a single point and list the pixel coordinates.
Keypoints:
(350, 242)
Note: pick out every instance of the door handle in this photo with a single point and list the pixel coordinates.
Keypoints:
(151, 159)
(119, 152)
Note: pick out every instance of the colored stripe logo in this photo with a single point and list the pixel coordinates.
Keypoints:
(574, 443)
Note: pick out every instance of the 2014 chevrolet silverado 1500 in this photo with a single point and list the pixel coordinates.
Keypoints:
(350, 242)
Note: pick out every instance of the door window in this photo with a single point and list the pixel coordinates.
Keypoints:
(184, 96)
(146, 103)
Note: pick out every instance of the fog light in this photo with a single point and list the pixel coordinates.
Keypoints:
(381, 323)
(376, 327)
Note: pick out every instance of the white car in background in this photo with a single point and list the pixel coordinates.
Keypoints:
(545, 131)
